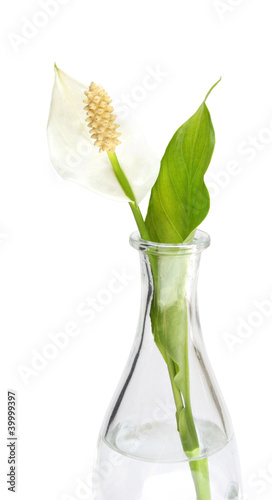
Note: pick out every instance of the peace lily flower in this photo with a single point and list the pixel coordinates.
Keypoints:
(91, 146)
(90, 159)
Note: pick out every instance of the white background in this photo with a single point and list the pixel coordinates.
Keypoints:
(59, 242)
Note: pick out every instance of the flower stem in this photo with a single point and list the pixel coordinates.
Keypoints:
(139, 220)
(199, 468)
(124, 183)
(121, 176)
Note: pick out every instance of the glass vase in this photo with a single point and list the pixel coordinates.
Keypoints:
(167, 433)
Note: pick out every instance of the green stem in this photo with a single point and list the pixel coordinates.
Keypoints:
(199, 468)
(140, 221)
(172, 373)
(185, 420)
(124, 183)
(121, 177)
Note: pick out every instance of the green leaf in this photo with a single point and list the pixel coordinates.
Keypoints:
(179, 199)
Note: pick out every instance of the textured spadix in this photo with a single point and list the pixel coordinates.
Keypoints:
(100, 118)
(75, 156)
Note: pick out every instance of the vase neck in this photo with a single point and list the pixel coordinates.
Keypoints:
(172, 273)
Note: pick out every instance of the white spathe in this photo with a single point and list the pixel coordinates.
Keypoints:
(75, 157)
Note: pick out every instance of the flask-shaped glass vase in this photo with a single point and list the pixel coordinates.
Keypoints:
(167, 434)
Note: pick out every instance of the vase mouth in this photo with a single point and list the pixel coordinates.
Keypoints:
(198, 244)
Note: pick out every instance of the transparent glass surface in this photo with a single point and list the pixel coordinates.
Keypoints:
(141, 454)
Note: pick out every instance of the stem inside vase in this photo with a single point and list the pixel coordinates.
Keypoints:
(169, 318)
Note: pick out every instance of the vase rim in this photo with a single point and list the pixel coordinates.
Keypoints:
(200, 242)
